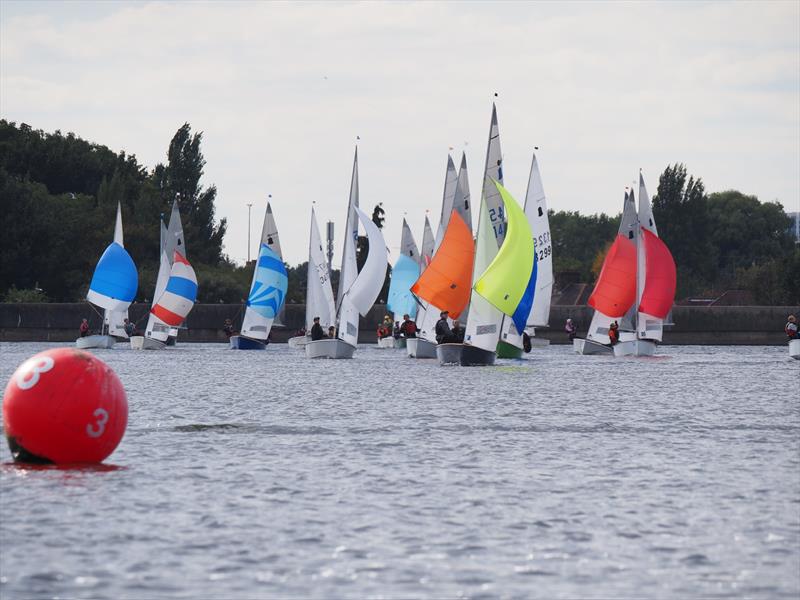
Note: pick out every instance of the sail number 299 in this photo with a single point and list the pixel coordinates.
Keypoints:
(541, 244)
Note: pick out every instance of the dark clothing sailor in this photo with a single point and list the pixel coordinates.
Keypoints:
(130, 328)
(613, 333)
(456, 333)
(227, 328)
(317, 332)
(443, 332)
(84, 328)
(408, 328)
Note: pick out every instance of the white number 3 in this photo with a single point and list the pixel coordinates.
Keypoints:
(102, 419)
(29, 376)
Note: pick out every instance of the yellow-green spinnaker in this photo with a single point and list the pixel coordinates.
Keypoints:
(505, 280)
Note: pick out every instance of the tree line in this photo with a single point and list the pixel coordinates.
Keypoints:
(59, 193)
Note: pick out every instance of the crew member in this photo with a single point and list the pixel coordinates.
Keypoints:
(84, 329)
(791, 328)
(613, 333)
(317, 332)
(571, 330)
(408, 328)
(442, 330)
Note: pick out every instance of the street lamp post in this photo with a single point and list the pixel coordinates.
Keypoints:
(249, 206)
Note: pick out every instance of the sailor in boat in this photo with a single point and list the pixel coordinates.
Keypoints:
(385, 328)
(332, 332)
(791, 328)
(84, 328)
(396, 332)
(408, 328)
(443, 333)
(317, 332)
(613, 332)
(130, 328)
(228, 328)
(571, 330)
(456, 333)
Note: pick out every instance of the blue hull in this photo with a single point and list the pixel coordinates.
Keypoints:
(239, 342)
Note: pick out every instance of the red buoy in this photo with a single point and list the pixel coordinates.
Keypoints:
(64, 406)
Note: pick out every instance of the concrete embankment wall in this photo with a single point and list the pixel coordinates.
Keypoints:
(727, 325)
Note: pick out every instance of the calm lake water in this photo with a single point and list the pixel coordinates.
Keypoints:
(264, 475)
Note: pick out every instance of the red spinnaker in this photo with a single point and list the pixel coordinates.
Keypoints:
(659, 285)
(615, 291)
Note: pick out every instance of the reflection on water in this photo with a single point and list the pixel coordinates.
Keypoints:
(253, 475)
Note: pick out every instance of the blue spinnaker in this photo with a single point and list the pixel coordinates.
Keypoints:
(115, 280)
(401, 301)
(269, 287)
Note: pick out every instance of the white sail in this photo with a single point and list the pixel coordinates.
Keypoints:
(462, 202)
(348, 321)
(485, 321)
(257, 321)
(536, 211)
(319, 294)
(647, 326)
(349, 270)
(365, 289)
(115, 320)
(428, 244)
(448, 198)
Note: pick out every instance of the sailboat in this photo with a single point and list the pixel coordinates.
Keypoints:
(176, 285)
(267, 291)
(636, 286)
(319, 294)
(424, 345)
(511, 342)
(113, 288)
(406, 270)
(357, 291)
(485, 320)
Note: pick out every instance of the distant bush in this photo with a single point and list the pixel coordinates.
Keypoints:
(13, 295)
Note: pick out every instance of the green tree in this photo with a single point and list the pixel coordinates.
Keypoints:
(680, 209)
(577, 240)
(180, 178)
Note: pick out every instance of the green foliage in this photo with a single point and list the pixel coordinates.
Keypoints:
(26, 295)
(577, 239)
(680, 209)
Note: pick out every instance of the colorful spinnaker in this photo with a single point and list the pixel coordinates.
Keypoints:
(503, 283)
(115, 280)
(405, 272)
(179, 296)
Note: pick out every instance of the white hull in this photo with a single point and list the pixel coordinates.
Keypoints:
(387, 342)
(420, 348)
(330, 348)
(139, 342)
(449, 354)
(298, 341)
(635, 348)
(794, 348)
(95, 341)
(588, 347)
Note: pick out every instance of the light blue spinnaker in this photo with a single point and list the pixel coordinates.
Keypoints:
(269, 284)
(401, 301)
(115, 280)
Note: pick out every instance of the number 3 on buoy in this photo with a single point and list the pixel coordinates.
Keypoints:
(99, 427)
(29, 377)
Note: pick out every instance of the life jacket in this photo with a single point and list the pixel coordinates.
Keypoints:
(613, 335)
(411, 327)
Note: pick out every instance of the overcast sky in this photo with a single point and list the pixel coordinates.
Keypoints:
(280, 92)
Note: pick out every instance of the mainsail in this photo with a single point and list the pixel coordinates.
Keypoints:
(115, 319)
(484, 322)
(270, 283)
(319, 295)
(536, 210)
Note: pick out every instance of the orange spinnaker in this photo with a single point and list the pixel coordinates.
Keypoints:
(615, 291)
(447, 282)
(661, 278)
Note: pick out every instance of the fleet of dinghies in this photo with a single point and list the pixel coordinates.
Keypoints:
(497, 280)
